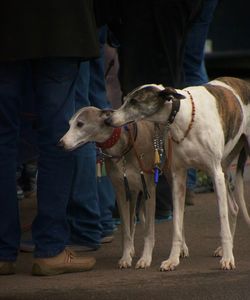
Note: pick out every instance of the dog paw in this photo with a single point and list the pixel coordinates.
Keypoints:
(184, 251)
(125, 263)
(218, 252)
(169, 264)
(227, 264)
(143, 263)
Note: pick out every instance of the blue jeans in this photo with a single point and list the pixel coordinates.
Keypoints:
(194, 66)
(54, 87)
(90, 209)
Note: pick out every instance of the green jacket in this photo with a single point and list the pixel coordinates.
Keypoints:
(32, 29)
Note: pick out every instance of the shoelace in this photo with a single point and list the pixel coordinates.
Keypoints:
(69, 255)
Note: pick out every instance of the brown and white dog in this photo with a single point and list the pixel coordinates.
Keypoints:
(209, 127)
(124, 156)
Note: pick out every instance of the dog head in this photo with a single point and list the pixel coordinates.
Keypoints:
(87, 125)
(145, 102)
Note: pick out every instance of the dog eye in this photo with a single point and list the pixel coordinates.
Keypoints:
(79, 124)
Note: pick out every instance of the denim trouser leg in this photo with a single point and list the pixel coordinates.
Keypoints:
(195, 71)
(84, 210)
(194, 66)
(54, 84)
(191, 178)
(107, 204)
(10, 90)
(98, 98)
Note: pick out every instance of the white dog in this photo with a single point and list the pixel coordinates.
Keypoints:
(209, 127)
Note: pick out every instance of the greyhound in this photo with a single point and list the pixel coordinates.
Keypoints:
(209, 126)
(129, 152)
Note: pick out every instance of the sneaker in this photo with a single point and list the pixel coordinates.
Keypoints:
(168, 217)
(64, 262)
(117, 221)
(7, 267)
(107, 239)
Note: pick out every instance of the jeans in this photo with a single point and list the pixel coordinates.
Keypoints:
(194, 65)
(54, 88)
(90, 209)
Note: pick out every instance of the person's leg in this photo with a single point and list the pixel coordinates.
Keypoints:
(84, 211)
(164, 203)
(54, 85)
(11, 89)
(194, 66)
(107, 202)
(98, 98)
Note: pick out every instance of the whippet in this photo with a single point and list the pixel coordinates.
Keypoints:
(129, 152)
(209, 126)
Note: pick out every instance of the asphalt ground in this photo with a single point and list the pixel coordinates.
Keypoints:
(197, 277)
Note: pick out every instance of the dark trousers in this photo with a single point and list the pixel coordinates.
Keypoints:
(152, 40)
(92, 201)
(54, 88)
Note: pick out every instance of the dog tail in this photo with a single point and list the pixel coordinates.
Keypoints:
(239, 184)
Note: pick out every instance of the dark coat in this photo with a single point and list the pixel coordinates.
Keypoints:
(47, 28)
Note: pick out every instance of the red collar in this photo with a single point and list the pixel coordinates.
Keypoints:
(112, 140)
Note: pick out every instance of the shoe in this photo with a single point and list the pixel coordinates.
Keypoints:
(168, 217)
(117, 221)
(107, 239)
(189, 200)
(64, 262)
(27, 246)
(7, 267)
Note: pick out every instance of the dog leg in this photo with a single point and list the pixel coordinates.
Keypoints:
(233, 213)
(127, 238)
(184, 249)
(179, 191)
(149, 231)
(227, 260)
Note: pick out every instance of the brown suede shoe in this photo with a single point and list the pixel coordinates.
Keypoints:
(7, 267)
(64, 262)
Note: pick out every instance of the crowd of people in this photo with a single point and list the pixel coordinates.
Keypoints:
(52, 62)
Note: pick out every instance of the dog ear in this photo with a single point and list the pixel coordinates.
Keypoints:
(169, 94)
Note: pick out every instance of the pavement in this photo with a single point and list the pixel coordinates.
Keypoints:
(196, 278)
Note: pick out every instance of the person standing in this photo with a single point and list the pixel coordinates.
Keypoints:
(52, 37)
(152, 37)
(92, 199)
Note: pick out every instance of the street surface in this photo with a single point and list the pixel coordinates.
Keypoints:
(196, 278)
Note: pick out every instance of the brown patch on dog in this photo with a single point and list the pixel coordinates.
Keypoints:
(241, 87)
(229, 110)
